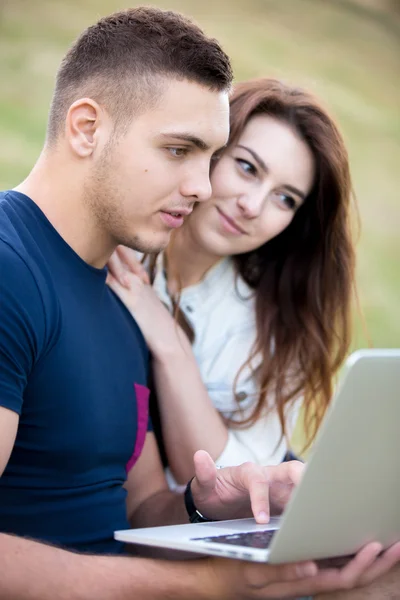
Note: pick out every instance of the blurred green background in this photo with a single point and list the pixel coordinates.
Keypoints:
(348, 52)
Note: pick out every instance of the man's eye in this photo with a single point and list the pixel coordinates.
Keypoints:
(178, 152)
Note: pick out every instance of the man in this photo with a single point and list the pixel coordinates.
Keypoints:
(140, 106)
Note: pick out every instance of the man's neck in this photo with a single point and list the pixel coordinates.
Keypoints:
(59, 195)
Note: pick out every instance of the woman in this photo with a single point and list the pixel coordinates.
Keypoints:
(260, 279)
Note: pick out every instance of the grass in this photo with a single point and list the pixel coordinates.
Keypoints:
(347, 53)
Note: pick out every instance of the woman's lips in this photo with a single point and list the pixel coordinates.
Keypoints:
(229, 225)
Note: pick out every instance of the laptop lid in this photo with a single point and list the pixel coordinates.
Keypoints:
(350, 492)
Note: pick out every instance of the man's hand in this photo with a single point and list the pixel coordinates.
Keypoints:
(242, 491)
(239, 580)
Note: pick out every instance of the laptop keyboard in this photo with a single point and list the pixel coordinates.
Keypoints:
(251, 539)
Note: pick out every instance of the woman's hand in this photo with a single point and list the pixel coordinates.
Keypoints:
(125, 260)
(161, 332)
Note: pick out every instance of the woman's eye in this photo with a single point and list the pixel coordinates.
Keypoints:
(287, 201)
(246, 166)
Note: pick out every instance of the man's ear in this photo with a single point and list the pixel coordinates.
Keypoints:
(82, 126)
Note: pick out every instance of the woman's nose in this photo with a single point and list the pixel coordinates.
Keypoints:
(251, 204)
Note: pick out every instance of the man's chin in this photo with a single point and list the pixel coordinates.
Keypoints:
(150, 246)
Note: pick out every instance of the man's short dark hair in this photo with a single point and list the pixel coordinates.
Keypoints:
(118, 61)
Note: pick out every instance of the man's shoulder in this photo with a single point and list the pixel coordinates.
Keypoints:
(19, 241)
(24, 280)
(15, 269)
(19, 288)
(12, 247)
(13, 260)
(29, 308)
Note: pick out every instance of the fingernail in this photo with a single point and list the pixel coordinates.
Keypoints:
(262, 516)
(307, 570)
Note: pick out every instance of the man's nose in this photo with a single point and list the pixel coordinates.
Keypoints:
(197, 185)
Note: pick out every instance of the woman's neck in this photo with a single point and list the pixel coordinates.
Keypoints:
(187, 261)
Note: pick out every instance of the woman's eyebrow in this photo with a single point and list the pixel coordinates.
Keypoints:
(257, 158)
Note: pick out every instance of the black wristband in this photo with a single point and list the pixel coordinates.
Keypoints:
(195, 515)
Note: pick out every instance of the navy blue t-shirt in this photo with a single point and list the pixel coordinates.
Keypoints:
(71, 362)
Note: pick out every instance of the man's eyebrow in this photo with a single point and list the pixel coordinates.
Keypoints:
(187, 137)
(264, 167)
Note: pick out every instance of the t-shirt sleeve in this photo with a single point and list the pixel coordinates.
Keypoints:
(22, 326)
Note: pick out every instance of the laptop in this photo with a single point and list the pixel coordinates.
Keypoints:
(349, 494)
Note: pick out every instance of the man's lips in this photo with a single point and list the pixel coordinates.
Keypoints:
(175, 218)
(230, 224)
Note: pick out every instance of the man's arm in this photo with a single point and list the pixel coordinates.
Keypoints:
(149, 501)
(34, 571)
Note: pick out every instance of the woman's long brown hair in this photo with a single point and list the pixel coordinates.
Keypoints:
(302, 279)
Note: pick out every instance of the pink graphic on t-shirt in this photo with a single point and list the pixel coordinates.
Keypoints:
(142, 408)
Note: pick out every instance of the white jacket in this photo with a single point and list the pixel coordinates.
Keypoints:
(221, 311)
